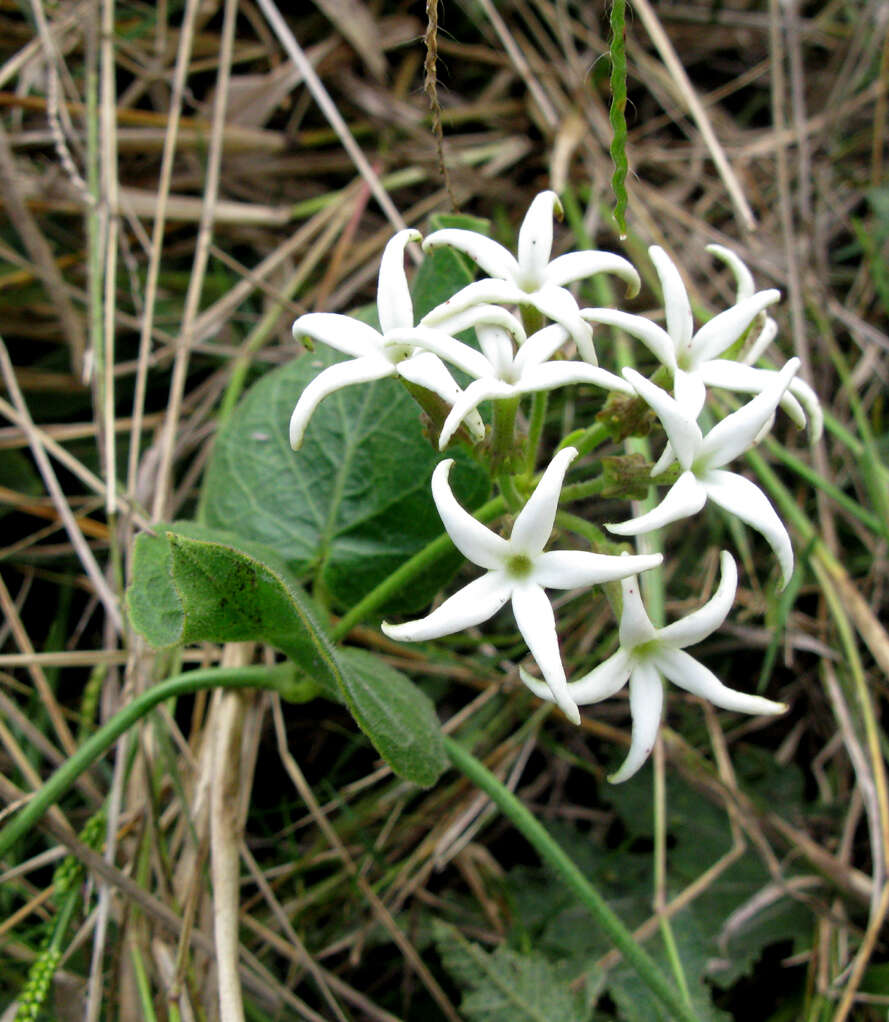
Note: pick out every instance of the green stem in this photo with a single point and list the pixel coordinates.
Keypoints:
(419, 563)
(591, 533)
(280, 677)
(580, 491)
(510, 492)
(552, 854)
(587, 440)
(535, 430)
(503, 433)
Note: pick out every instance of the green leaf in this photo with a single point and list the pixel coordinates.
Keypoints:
(507, 986)
(153, 603)
(354, 503)
(712, 953)
(400, 719)
(193, 584)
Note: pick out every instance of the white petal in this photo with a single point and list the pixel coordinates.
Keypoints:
(809, 400)
(474, 540)
(686, 672)
(470, 399)
(654, 337)
(721, 332)
(394, 306)
(456, 323)
(695, 627)
(536, 240)
(481, 292)
(603, 681)
(444, 346)
(471, 605)
(539, 688)
(541, 346)
(580, 265)
(746, 501)
(679, 424)
(559, 305)
(534, 616)
(737, 432)
(743, 277)
(534, 522)
(562, 374)
(684, 498)
(427, 370)
(491, 257)
(664, 461)
(343, 374)
(768, 333)
(345, 334)
(689, 391)
(676, 305)
(635, 624)
(497, 346)
(646, 704)
(744, 379)
(571, 569)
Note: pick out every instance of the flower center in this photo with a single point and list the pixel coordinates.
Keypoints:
(645, 649)
(397, 352)
(519, 566)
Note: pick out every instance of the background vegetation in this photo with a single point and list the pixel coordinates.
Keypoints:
(179, 181)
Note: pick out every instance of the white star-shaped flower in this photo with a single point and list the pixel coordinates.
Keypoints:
(509, 364)
(518, 570)
(702, 459)
(693, 358)
(531, 279)
(800, 401)
(389, 351)
(648, 654)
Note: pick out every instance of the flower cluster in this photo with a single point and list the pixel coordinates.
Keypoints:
(520, 353)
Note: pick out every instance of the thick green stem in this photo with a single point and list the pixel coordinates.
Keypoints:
(586, 440)
(280, 677)
(503, 433)
(580, 491)
(536, 835)
(510, 492)
(535, 430)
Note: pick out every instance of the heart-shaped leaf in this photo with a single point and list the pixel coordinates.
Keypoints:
(354, 503)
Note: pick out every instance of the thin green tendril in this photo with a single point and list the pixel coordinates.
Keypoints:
(617, 114)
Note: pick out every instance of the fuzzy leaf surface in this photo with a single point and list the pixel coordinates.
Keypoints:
(192, 585)
(354, 503)
(506, 986)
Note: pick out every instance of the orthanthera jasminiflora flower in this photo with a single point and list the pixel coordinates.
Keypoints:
(702, 459)
(518, 570)
(693, 358)
(800, 400)
(509, 364)
(389, 351)
(648, 654)
(531, 279)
